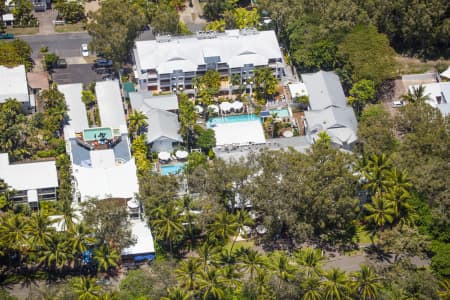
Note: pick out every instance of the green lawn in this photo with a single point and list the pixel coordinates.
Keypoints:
(240, 244)
(23, 31)
(71, 27)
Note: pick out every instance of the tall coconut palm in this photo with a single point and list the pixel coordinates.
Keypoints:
(177, 293)
(251, 261)
(380, 212)
(86, 288)
(12, 232)
(79, 238)
(167, 224)
(211, 284)
(231, 277)
(444, 291)
(416, 95)
(242, 219)
(106, 258)
(54, 255)
(366, 284)
(39, 230)
(335, 285)
(376, 174)
(68, 214)
(137, 121)
(310, 261)
(206, 252)
(311, 289)
(400, 203)
(188, 272)
(223, 227)
(323, 138)
(281, 266)
(399, 179)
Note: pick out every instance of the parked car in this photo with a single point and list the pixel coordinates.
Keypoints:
(6, 36)
(398, 103)
(61, 63)
(103, 63)
(84, 50)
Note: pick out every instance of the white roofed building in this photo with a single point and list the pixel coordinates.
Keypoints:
(328, 110)
(32, 181)
(169, 63)
(14, 84)
(145, 101)
(439, 95)
(109, 100)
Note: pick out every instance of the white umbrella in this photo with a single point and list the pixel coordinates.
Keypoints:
(237, 105)
(133, 203)
(288, 134)
(164, 155)
(214, 108)
(181, 154)
(261, 229)
(199, 109)
(225, 106)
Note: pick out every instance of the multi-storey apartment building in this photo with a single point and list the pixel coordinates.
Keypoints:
(171, 63)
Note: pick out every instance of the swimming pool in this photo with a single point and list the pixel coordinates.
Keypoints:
(172, 169)
(231, 119)
(93, 134)
(281, 112)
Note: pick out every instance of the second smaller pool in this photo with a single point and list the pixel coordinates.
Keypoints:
(281, 113)
(172, 169)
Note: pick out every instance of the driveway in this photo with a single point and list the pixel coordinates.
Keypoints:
(78, 73)
(46, 21)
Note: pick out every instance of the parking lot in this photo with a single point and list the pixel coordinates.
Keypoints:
(76, 73)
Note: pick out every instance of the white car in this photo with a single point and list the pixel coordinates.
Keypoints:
(397, 103)
(84, 50)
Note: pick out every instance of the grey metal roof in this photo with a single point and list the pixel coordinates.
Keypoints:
(110, 105)
(332, 117)
(76, 110)
(162, 124)
(145, 101)
(324, 90)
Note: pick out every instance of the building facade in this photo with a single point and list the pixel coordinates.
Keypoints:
(171, 63)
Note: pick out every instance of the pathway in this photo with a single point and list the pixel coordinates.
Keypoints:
(46, 21)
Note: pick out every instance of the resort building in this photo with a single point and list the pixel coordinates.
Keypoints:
(101, 159)
(171, 63)
(14, 85)
(31, 181)
(439, 95)
(162, 119)
(329, 110)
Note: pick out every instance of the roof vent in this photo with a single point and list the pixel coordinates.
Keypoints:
(249, 31)
(163, 38)
(210, 34)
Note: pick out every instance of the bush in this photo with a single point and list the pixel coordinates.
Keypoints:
(50, 60)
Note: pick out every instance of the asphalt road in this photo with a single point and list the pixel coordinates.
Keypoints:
(62, 44)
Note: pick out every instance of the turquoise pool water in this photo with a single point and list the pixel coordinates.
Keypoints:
(172, 169)
(231, 119)
(93, 134)
(282, 112)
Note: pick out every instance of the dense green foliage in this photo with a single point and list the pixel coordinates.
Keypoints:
(15, 53)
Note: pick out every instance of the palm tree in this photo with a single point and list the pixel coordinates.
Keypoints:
(335, 285)
(323, 138)
(137, 120)
(444, 291)
(311, 289)
(80, 236)
(251, 261)
(310, 261)
(376, 172)
(54, 255)
(86, 288)
(400, 202)
(416, 95)
(235, 80)
(381, 212)
(223, 226)
(399, 179)
(366, 284)
(231, 277)
(242, 219)
(167, 224)
(106, 258)
(177, 293)
(211, 284)
(189, 217)
(280, 264)
(188, 272)
(206, 251)
(39, 230)
(68, 215)
(12, 232)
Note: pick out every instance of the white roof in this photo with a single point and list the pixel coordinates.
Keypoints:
(239, 133)
(105, 178)
(434, 90)
(186, 53)
(13, 84)
(110, 105)
(162, 125)
(446, 73)
(144, 239)
(28, 176)
(324, 90)
(145, 101)
(76, 110)
(297, 89)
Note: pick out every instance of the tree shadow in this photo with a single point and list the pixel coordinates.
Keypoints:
(376, 253)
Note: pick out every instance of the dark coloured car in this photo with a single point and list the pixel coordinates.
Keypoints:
(103, 63)
(61, 63)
